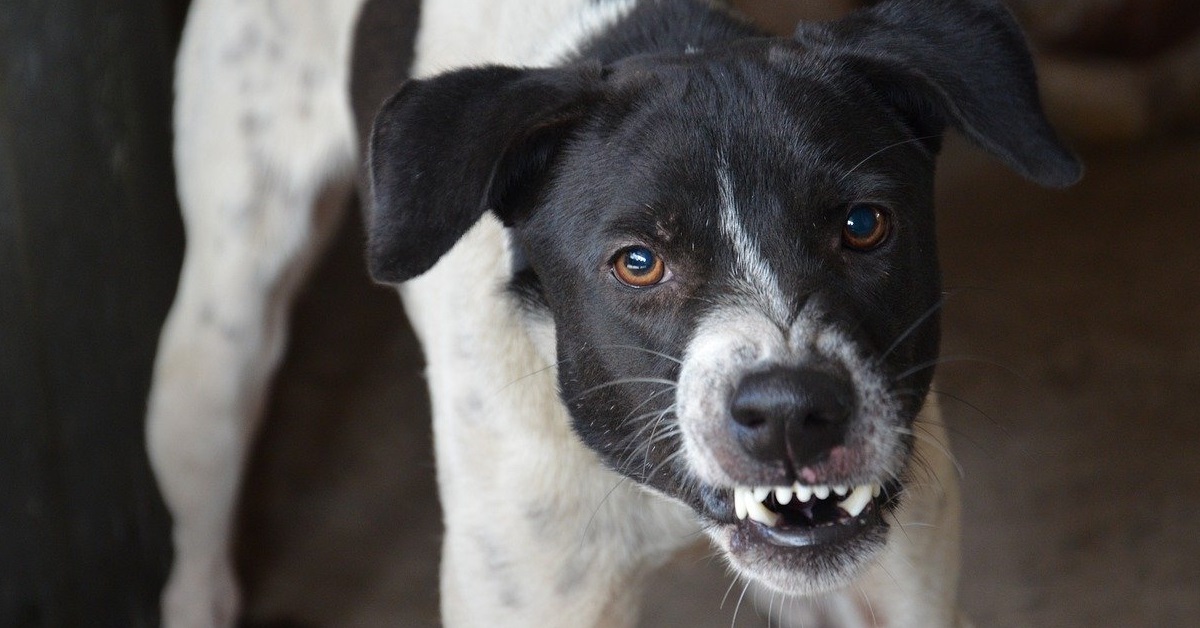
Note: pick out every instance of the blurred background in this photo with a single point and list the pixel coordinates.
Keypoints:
(1073, 411)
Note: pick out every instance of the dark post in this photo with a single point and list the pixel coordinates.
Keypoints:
(90, 246)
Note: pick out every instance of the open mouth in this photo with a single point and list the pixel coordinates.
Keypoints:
(802, 515)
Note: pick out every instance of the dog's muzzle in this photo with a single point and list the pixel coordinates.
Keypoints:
(796, 439)
(798, 415)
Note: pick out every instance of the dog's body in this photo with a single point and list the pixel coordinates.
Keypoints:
(524, 207)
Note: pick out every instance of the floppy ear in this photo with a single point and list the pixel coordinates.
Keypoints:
(445, 150)
(957, 62)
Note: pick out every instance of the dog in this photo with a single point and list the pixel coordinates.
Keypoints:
(671, 277)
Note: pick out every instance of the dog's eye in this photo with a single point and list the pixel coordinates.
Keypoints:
(639, 267)
(867, 226)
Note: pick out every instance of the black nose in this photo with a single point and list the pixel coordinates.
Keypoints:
(796, 413)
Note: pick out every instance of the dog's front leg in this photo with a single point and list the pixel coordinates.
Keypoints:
(264, 157)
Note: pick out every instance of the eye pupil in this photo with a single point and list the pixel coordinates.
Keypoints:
(639, 261)
(866, 227)
(862, 221)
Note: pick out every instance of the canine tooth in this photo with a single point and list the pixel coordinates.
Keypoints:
(840, 489)
(783, 494)
(876, 490)
(821, 491)
(854, 504)
(739, 502)
(760, 513)
(803, 492)
(761, 492)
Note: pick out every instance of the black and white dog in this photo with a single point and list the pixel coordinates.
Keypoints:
(669, 275)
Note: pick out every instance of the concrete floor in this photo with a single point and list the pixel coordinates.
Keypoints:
(1073, 410)
(1082, 480)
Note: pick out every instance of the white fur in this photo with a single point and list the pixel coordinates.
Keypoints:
(755, 273)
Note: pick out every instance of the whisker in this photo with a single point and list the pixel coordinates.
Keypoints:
(537, 372)
(586, 528)
(628, 380)
(884, 149)
(946, 359)
(733, 624)
(732, 582)
(668, 460)
(892, 576)
(666, 435)
(634, 445)
(648, 400)
(928, 437)
(903, 531)
(925, 436)
(641, 430)
(870, 607)
(644, 350)
(655, 439)
(913, 327)
(977, 410)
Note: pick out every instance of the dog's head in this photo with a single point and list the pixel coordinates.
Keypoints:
(735, 248)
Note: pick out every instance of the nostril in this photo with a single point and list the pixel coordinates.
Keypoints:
(750, 407)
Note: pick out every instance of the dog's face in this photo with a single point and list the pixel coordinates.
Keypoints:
(735, 248)
(737, 307)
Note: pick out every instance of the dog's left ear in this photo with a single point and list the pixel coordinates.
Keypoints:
(959, 62)
(447, 149)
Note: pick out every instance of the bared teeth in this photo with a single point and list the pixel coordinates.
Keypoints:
(750, 502)
(760, 513)
(857, 500)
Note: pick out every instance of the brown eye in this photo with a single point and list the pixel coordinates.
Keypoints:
(639, 267)
(867, 226)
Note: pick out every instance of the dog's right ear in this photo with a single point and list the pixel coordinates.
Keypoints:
(445, 150)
